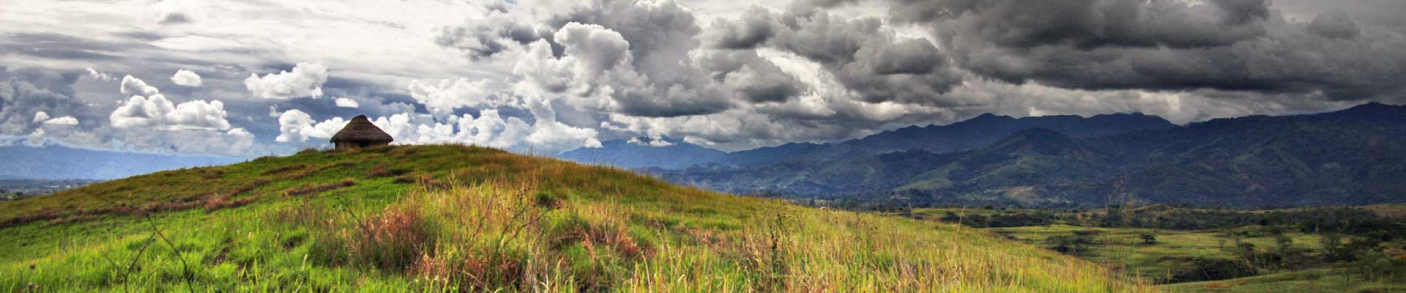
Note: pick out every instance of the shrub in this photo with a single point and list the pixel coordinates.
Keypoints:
(1209, 269)
(393, 240)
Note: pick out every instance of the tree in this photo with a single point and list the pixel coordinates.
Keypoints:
(1148, 238)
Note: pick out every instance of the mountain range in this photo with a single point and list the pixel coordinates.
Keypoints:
(1352, 156)
(60, 162)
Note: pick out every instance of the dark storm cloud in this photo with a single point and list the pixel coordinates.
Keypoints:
(25, 93)
(873, 62)
(1231, 45)
(660, 37)
(1334, 24)
(751, 29)
(1094, 23)
(483, 38)
(757, 79)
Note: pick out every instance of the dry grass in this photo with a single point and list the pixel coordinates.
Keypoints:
(477, 219)
(314, 188)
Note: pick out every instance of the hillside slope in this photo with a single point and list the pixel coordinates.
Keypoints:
(430, 218)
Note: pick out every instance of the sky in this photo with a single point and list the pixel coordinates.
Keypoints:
(256, 77)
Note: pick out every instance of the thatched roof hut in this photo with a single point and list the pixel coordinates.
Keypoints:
(360, 133)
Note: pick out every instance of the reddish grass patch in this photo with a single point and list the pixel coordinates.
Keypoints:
(394, 240)
(283, 169)
(381, 170)
(319, 188)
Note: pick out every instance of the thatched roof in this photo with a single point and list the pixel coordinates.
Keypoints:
(360, 129)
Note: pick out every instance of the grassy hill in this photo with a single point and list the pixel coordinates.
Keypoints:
(454, 218)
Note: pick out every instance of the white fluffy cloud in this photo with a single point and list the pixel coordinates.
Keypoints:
(65, 121)
(490, 128)
(98, 75)
(305, 80)
(43, 117)
(40, 117)
(186, 78)
(135, 86)
(347, 103)
(599, 65)
(155, 111)
(296, 126)
(653, 140)
(448, 95)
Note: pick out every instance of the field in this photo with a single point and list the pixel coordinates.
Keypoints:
(454, 218)
(1318, 280)
(1172, 251)
(1262, 257)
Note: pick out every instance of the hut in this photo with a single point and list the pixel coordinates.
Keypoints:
(360, 133)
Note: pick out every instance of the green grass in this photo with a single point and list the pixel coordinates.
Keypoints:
(1319, 280)
(453, 218)
(1123, 247)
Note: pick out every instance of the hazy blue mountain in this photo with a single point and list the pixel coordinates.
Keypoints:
(1353, 156)
(59, 162)
(986, 129)
(770, 155)
(965, 135)
(668, 154)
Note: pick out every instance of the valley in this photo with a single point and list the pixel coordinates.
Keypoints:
(1347, 157)
(1346, 249)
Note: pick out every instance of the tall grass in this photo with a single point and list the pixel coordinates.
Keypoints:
(482, 220)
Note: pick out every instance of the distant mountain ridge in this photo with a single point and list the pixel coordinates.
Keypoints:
(634, 153)
(965, 135)
(1353, 156)
(60, 162)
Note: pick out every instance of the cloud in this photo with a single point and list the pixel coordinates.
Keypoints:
(447, 95)
(494, 33)
(490, 128)
(135, 86)
(554, 137)
(305, 80)
(599, 62)
(753, 28)
(98, 75)
(875, 63)
(40, 117)
(623, 56)
(170, 12)
(1223, 45)
(25, 105)
(186, 78)
(758, 80)
(64, 121)
(347, 103)
(193, 127)
(654, 141)
(155, 111)
(296, 126)
(158, 112)
(1336, 25)
(723, 74)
